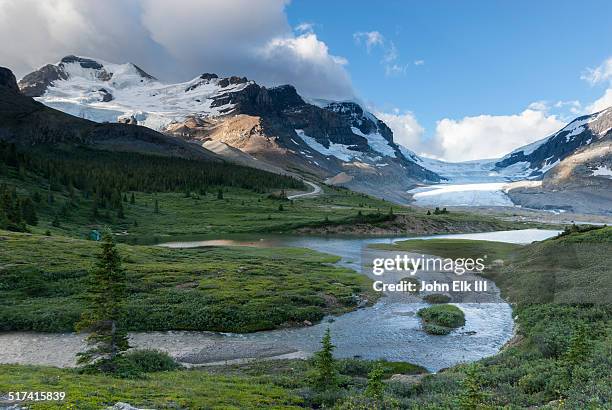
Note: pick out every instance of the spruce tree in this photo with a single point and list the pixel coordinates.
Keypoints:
(375, 388)
(156, 208)
(120, 212)
(132, 199)
(471, 395)
(28, 211)
(103, 317)
(220, 194)
(56, 221)
(94, 207)
(325, 375)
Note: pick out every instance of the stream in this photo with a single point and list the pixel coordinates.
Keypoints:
(390, 329)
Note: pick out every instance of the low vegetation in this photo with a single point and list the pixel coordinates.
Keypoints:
(43, 282)
(441, 319)
(435, 298)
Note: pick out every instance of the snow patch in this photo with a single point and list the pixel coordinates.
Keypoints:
(485, 194)
(602, 171)
(339, 151)
(377, 142)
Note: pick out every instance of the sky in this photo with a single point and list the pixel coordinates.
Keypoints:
(454, 80)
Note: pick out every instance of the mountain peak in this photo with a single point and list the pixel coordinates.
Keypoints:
(8, 80)
(37, 82)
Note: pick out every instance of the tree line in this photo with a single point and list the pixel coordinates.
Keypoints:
(104, 177)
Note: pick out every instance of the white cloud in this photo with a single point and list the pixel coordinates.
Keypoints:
(309, 64)
(304, 28)
(599, 74)
(601, 103)
(419, 62)
(470, 138)
(390, 55)
(406, 129)
(174, 40)
(371, 39)
(491, 136)
(395, 69)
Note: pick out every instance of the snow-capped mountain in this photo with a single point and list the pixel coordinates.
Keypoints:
(275, 128)
(338, 140)
(26, 122)
(537, 158)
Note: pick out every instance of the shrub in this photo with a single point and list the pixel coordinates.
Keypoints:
(149, 360)
(436, 298)
(443, 315)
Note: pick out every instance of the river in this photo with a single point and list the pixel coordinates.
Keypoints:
(389, 329)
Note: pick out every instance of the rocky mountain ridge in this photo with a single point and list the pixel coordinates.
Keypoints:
(336, 141)
(26, 122)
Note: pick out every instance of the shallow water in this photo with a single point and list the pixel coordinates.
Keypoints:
(390, 329)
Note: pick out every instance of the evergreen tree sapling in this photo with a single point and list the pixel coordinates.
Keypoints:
(103, 318)
(325, 373)
(471, 396)
(375, 388)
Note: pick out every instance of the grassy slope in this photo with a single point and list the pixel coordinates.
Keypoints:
(177, 389)
(272, 384)
(239, 211)
(43, 280)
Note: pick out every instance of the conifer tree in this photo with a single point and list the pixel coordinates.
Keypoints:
(375, 388)
(94, 207)
(132, 199)
(28, 210)
(120, 212)
(220, 194)
(156, 208)
(325, 375)
(103, 318)
(471, 396)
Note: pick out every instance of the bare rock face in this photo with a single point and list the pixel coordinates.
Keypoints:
(35, 84)
(7, 79)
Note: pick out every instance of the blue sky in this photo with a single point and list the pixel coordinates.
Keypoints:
(479, 57)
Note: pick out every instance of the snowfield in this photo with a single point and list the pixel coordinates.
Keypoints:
(603, 172)
(150, 102)
(480, 194)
